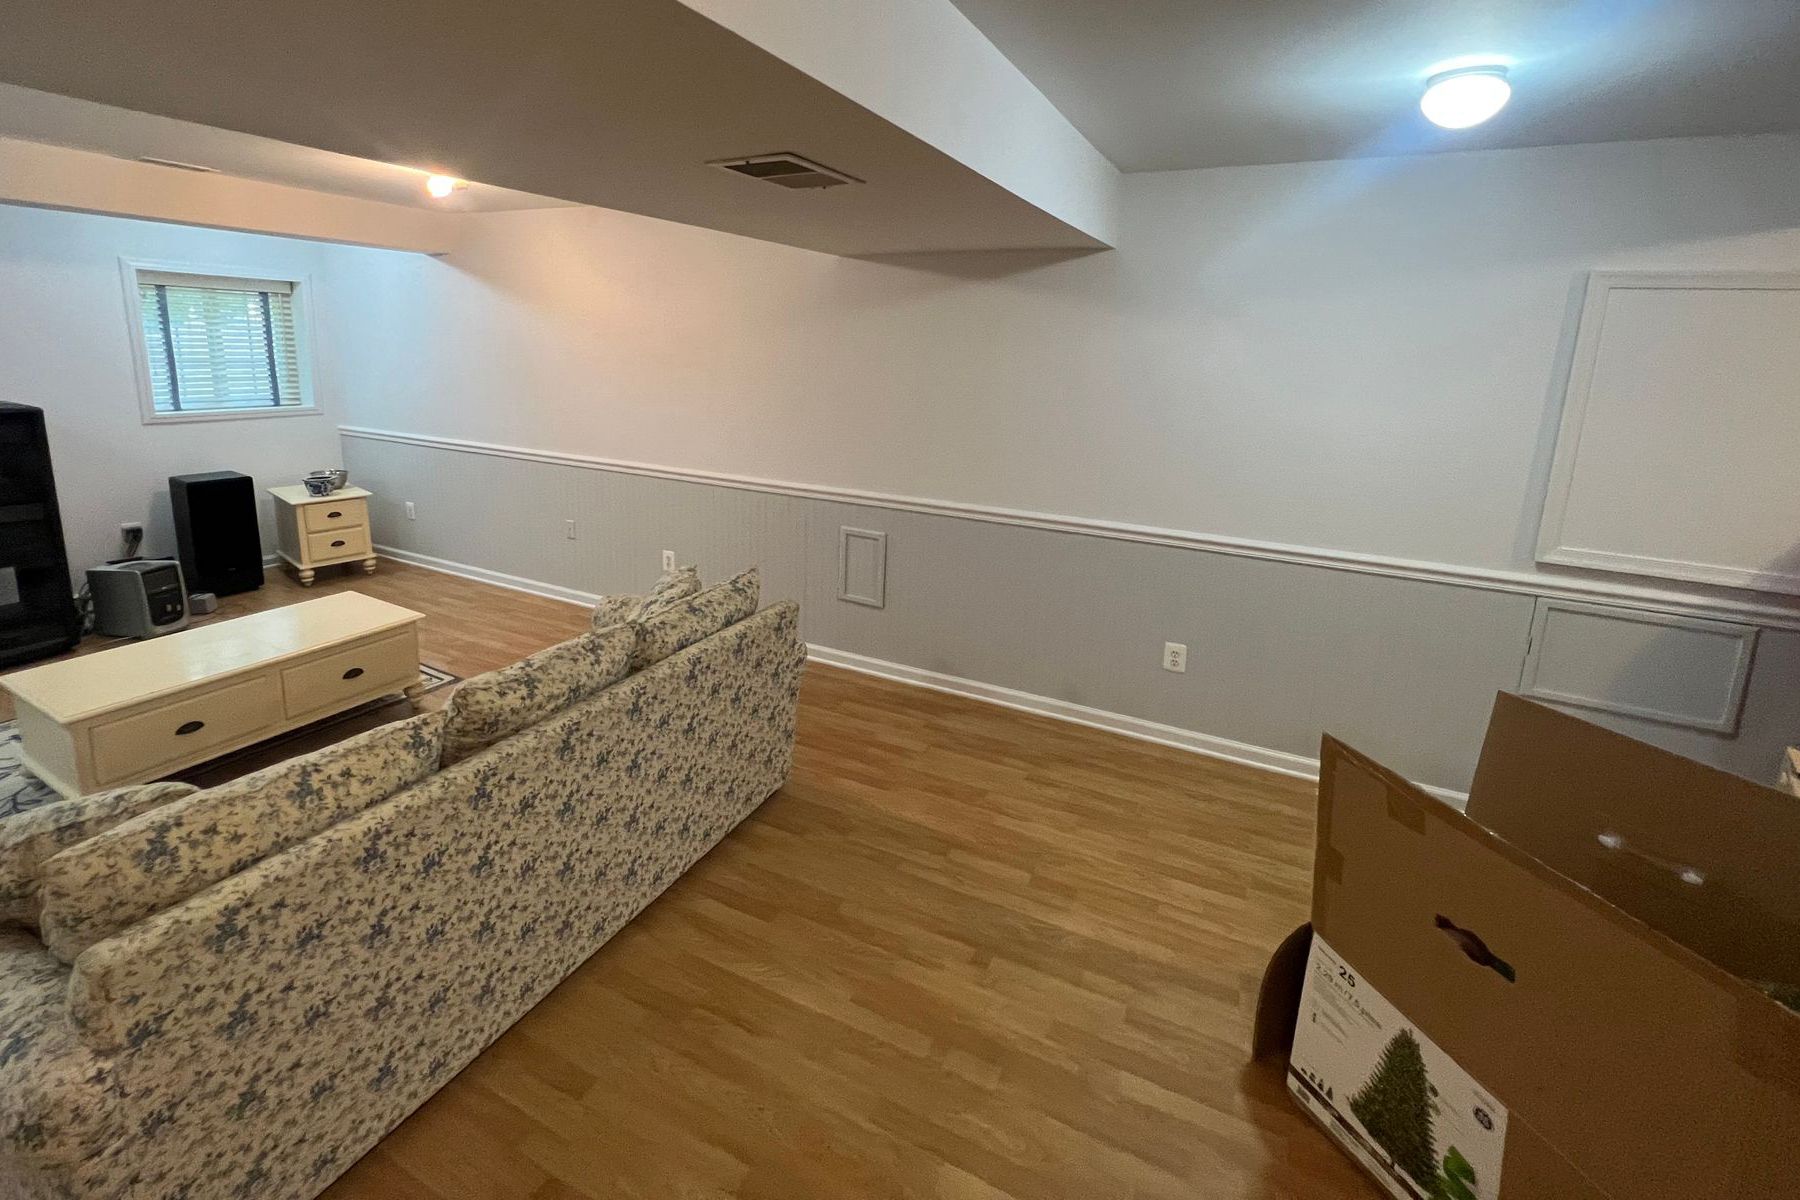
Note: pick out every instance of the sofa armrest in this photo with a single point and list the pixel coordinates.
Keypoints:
(58, 1100)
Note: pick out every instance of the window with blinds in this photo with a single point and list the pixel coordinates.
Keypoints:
(219, 345)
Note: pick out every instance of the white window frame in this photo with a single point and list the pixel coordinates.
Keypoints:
(302, 286)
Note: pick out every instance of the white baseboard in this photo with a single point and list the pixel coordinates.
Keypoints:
(1297, 766)
(1278, 761)
(515, 583)
(1281, 762)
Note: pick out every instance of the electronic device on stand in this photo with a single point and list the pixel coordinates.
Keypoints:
(143, 598)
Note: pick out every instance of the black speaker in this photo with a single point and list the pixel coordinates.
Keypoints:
(216, 536)
(37, 605)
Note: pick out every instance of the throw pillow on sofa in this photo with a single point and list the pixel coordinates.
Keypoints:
(31, 837)
(490, 707)
(700, 616)
(107, 883)
(616, 610)
(674, 586)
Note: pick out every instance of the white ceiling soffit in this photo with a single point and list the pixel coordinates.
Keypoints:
(922, 65)
(59, 177)
(84, 125)
(1175, 84)
(620, 104)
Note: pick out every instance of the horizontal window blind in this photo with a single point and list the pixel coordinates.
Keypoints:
(218, 344)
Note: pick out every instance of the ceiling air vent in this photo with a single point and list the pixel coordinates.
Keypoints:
(786, 170)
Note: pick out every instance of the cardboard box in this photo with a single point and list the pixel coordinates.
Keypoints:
(1578, 948)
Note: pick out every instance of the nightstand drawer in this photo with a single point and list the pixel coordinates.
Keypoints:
(337, 543)
(335, 514)
(132, 747)
(370, 669)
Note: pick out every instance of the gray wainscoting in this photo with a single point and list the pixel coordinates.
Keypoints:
(1278, 652)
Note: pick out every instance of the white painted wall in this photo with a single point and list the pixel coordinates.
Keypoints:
(1363, 358)
(65, 346)
(1357, 356)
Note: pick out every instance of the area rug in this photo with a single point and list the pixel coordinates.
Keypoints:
(20, 790)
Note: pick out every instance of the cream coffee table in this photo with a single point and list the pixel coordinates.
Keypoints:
(142, 711)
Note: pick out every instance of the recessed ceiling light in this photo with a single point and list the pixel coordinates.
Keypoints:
(1466, 96)
(440, 186)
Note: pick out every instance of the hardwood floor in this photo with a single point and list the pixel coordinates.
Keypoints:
(966, 953)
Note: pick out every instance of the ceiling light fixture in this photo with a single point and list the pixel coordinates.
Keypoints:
(440, 186)
(1465, 97)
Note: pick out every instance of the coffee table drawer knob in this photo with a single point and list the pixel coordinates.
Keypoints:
(187, 727)
(353, 673)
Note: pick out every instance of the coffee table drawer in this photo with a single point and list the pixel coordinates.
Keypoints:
(345, 515)
(386, 665)
(338, 543)
(184, 730)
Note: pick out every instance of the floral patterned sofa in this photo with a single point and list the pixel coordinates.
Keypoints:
(236, 993)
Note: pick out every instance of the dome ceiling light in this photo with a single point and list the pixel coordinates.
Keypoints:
(1465, 97)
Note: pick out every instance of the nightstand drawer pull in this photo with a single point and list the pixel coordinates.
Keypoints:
(353, 673)
(338, 543)
(334, 515)
(187, 727)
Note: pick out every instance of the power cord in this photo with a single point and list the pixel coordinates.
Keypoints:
(84, 606)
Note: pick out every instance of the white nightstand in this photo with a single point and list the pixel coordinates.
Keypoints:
(322, 531)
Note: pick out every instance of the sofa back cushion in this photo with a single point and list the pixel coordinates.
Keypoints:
(490, 707)
(30, 838)
(107, 883)
(685, 622)
(615, 610)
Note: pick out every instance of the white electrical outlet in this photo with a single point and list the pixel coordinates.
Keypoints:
(1174, 657)
(412, 514)
(668, 560)
(569, 530)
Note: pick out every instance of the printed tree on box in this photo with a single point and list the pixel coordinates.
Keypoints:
(1395, 1107)
(1458, 1180)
